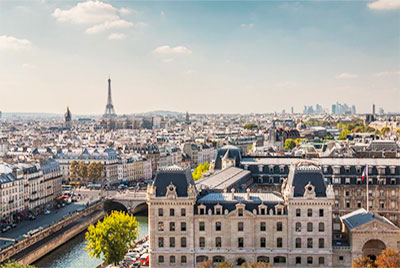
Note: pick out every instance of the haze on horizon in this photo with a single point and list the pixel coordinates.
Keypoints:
(201, 56)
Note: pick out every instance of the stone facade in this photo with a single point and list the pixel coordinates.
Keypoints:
(288, 229)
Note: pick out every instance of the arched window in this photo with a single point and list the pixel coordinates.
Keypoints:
(263, 259)
(298, 242)
(171, 259)
(218, 259)
(309, 227)
(263, 242)
(309, 260)
(183, 259)
(298, 227)
(200, 259)
(240, 261)
(321, 227)
(279, 226)
(279, 259)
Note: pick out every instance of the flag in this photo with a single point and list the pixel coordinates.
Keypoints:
(365, 173)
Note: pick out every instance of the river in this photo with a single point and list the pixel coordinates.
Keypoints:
(73, 255)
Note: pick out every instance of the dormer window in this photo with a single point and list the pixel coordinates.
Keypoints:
(240, 212)
(218, 211)
(262, 211)
(202, 211)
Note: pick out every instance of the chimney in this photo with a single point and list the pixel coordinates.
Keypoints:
(247, 194)
(233, 193)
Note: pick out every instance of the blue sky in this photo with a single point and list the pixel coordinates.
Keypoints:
(202, 56)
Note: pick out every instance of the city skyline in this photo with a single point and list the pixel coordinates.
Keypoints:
(262, 57)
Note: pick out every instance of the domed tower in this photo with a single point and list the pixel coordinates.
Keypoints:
(68, 118)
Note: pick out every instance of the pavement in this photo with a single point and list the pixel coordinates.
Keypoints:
(46, 220)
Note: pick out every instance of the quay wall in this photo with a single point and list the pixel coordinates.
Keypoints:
(22, 249)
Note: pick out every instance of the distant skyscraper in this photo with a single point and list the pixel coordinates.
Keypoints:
(292, 110)
(110, 112)
(373, 109)
(334, 109)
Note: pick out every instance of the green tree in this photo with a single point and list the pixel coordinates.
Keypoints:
(385, 130)
(398, 132)
(92, 171)
(82, 170)
(343, 135)
(363, 262)
(13, 264)
(250, 126)
(112, 238)
(99, 170)
(389, 258)
(74, 169)
(289, 144)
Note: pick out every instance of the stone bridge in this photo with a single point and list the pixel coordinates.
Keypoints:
(133, 202)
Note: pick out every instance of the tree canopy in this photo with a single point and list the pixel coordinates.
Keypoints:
(112, 237)
(289, 144)
(92, 172)
(250, 126)
(199, 170)
(14, 264)
(389, 258)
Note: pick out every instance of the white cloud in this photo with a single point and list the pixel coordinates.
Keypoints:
(249, 26)
(29, 66)
(107, 25)
(90, 12)
(125, 11)
(346, 76)
(385, 5)
(116, 36)
(172, 50)
(386, 74)
(101, 16)
(15, 44)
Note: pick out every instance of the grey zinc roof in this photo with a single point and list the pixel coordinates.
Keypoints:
(175, 175)
(360, 217)
(241, 197)
(303, 175)
(224, 178)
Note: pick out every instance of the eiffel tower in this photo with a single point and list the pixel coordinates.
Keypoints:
(110, 112)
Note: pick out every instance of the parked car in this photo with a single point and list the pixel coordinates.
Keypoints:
(47, 212)
(32, 217)
(13, 225)
(144, 260)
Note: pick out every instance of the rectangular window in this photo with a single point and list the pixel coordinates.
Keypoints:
(262, 211)
(263, 226)
(298, 212)
(183, 226)
(347, 204)
(201, 211)
(218, 226)
(172, 226)
(202, 242)
(183, 259)
(183, 242)
(160, 226)
(160, 259)
(279, 242)
(201, 226)
(183, 212)
(160, 214)
(171, 212)
(218, 211)
(218, 242)
(263, 242)
(321, 243)
(309, 243)
(321, 212)
(240, 242)
(321, 260)
(240, 212)
(172, 242)
(240, 226)
(160, 242)
(298, 260)
(171, 259)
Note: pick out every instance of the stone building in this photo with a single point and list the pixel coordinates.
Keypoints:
(291, 227)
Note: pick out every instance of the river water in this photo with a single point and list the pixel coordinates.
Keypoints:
(73, 255)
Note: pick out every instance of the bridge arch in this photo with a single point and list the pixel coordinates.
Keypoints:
(110, 205)
(140, 208)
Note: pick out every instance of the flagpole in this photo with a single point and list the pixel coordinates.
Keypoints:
(366, 175)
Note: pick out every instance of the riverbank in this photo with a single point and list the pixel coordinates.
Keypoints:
(73, 255)
(44, 240)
